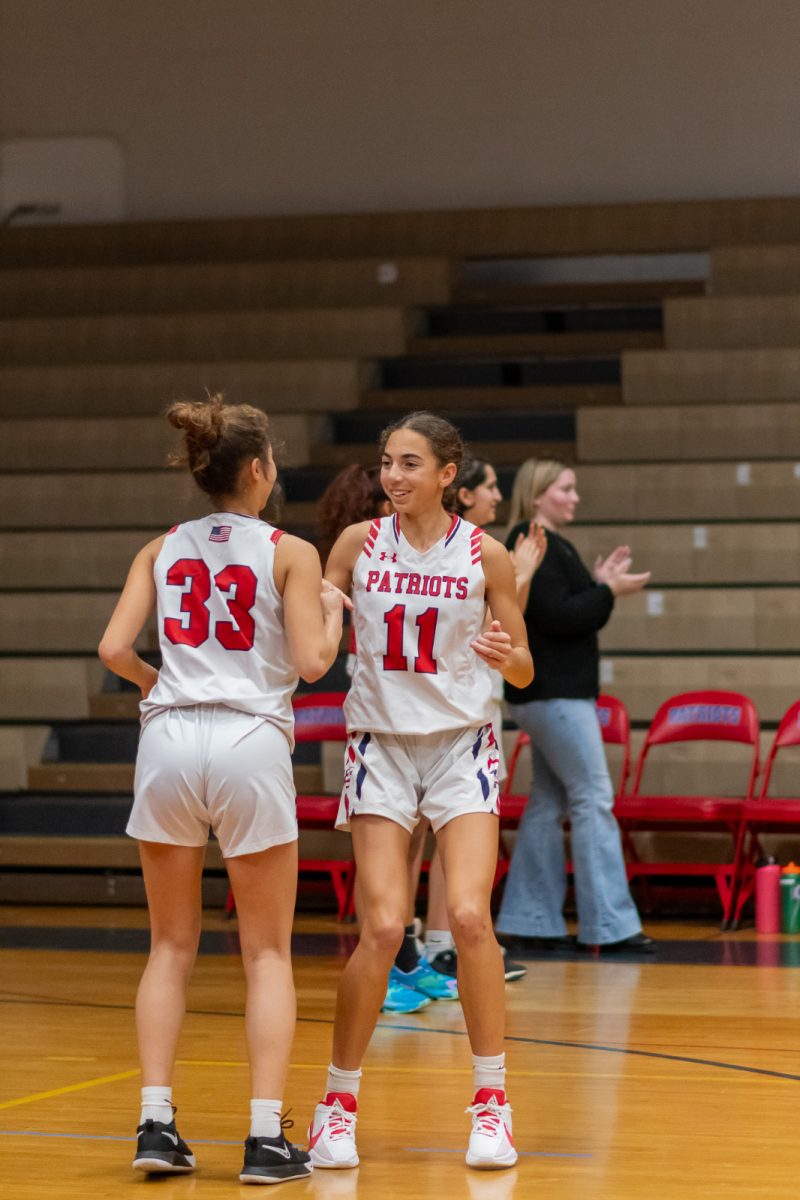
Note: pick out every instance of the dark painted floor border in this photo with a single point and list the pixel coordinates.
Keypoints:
(717, 951)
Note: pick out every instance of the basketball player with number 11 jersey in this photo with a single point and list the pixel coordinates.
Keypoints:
(421, 744)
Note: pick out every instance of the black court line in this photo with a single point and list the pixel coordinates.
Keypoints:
(137, 941)
(714, 950)
(9, 999)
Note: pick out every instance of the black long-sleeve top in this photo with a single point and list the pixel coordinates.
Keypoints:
(565, 610)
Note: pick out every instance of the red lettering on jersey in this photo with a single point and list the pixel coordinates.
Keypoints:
(449, 580)
(462, 588)
(425, 581)
(413, 584)
(399, 578)
(385, 584)
(434, 586)
(372, 578)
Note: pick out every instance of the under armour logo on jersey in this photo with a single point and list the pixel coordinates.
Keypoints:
(220, 533)
(386, 556)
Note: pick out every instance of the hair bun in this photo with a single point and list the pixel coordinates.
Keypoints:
(200, 420)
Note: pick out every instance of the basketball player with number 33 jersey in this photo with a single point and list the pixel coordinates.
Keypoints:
(421, 743)
(242, 610)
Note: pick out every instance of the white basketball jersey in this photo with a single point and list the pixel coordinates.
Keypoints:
(415, 616)
(220, 620)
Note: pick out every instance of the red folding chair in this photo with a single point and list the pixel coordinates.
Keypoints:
(765, 814)
(692, 716)
(615, 728)
(318, 717)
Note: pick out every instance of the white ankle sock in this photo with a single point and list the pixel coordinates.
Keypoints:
(265, 1118)
(489, 1072)
(156, 1105)
(343, 1081)
(437, 940)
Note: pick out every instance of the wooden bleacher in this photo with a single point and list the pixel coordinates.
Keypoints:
(266, 334)
(762, 270)
(144, 389)
(731, 376)
(751, 552)
(687, 433)
(197, 287)
(544, 230)
(731, 322)
(686, 440)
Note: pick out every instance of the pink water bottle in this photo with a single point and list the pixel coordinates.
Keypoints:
(768, 900)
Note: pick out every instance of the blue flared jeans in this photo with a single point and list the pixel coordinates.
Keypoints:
(570, 783)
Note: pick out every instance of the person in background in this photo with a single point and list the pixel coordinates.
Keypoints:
(477, 496)
(567, 605)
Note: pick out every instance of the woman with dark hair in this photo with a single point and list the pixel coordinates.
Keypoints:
(421, 744)
(242, 611)
(354, 494)
(476, 497)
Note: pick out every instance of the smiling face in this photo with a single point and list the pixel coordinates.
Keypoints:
(480, 503)
(556, 506)
(411, 476)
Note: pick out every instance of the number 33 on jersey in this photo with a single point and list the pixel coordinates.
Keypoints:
(220, 619)
(415, 616)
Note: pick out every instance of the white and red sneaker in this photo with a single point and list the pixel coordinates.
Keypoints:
(491, 1147)
(332, 1132)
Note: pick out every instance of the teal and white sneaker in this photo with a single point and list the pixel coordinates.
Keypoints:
(401, 999)
(426, 981)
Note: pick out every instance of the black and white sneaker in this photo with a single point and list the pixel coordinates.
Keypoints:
(161, 1149)
(512, 970)
(274, 1159)
(446, 963)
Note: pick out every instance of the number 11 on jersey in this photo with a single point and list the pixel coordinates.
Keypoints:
(394, 659)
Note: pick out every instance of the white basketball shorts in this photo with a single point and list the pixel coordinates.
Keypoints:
(206, 766)
(408, 776)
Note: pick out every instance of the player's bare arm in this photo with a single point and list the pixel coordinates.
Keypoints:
(345, 551)
(312, 610)
(504, 644)
(137, 601)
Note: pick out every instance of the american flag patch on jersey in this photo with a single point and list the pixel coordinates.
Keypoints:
(220, 533)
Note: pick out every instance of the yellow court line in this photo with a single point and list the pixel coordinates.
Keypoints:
(72, 1087)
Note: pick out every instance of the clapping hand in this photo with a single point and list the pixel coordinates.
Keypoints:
(529, 550)
(615, 572)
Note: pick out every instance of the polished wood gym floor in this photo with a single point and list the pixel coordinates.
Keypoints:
(678, 1077)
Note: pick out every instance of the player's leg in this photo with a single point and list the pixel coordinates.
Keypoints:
(468, 845)
(265, 886)
(439, 944)
(380, 848)
(412, 981)
(399, 998)
(251, 802)
(172, 877)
